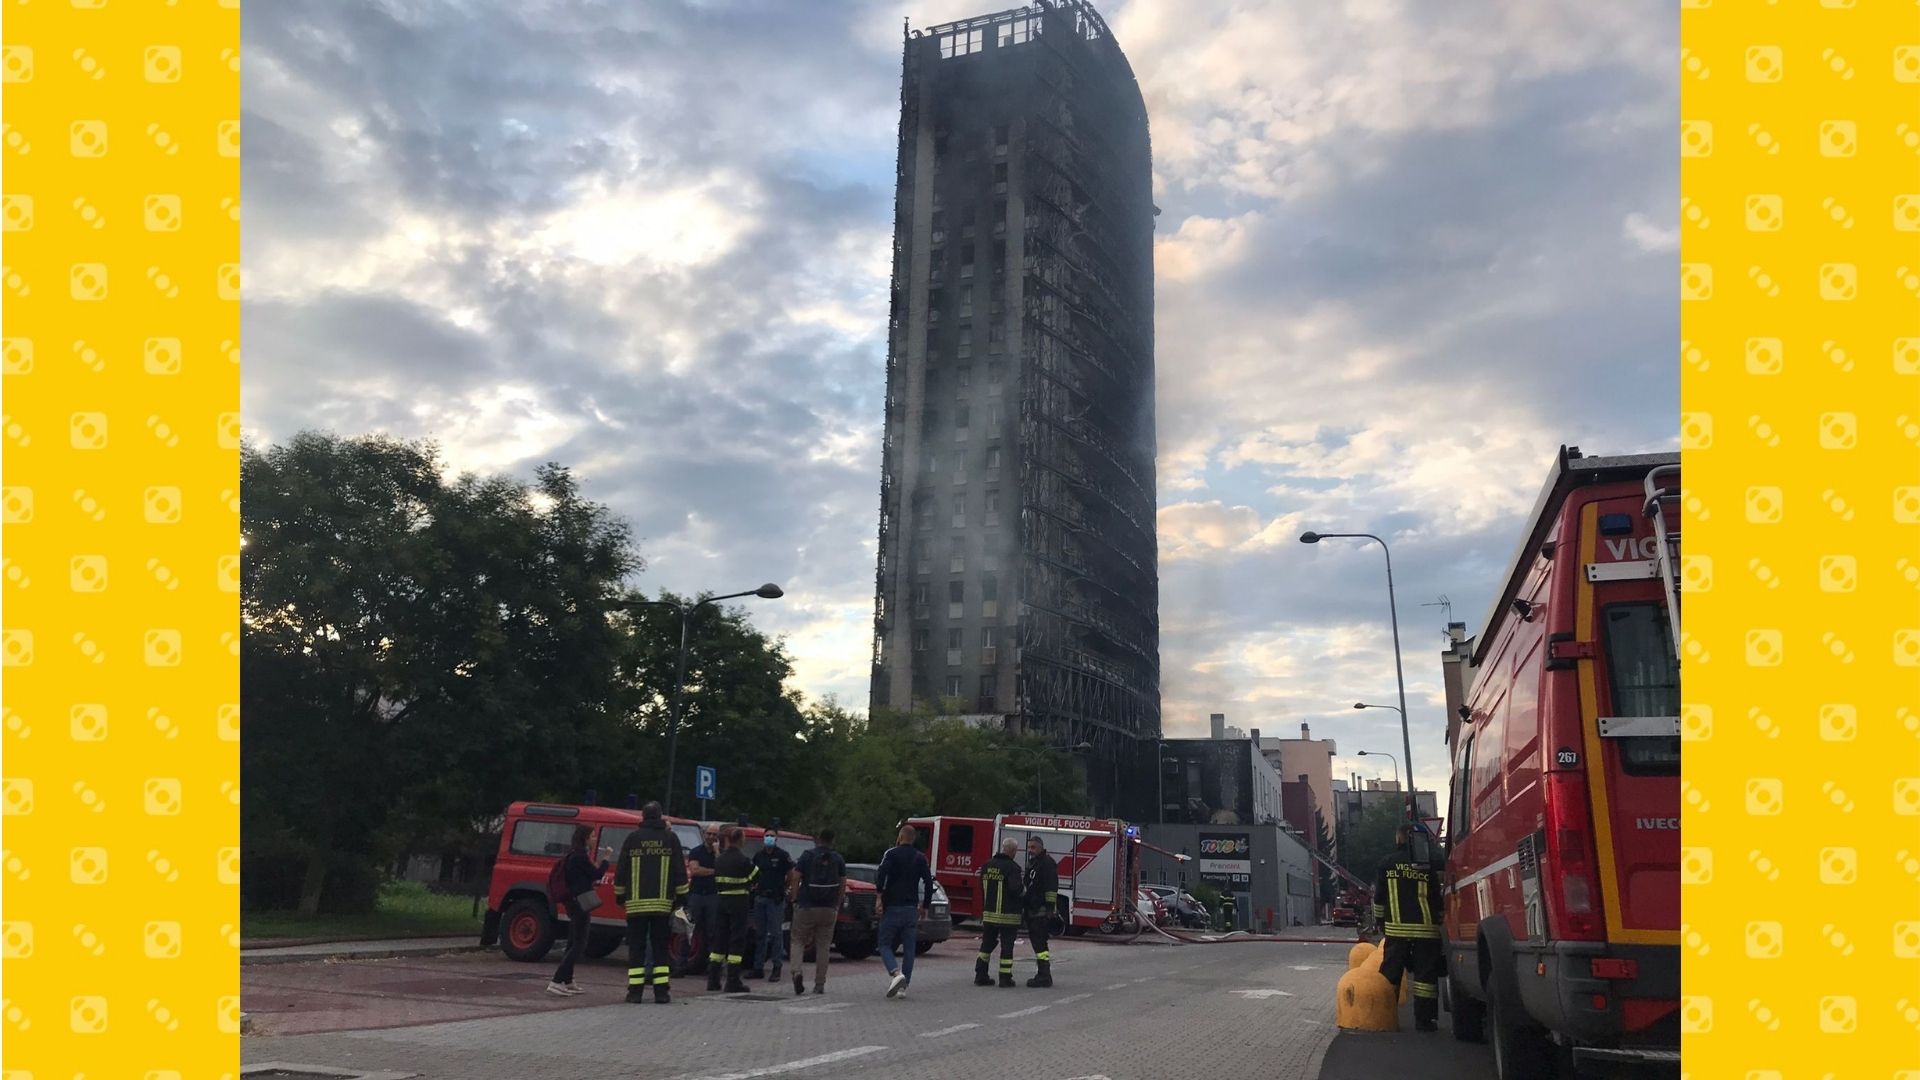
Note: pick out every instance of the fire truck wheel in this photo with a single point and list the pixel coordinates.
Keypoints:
(526, 929)
(1520, 1052)
(599, 945)
(1469, 1015)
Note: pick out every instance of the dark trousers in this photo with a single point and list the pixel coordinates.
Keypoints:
(992, 934)
(1037, 936)
(701, 908)
(1427, 961)
(578, 927)
(732, 931)
(647, 938)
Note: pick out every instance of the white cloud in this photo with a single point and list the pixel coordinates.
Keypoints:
(1648, 236)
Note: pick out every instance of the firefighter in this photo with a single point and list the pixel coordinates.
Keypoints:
(734, 876)
(1406, 904)
(1041, 887)
(650, 883)
(1000, 911)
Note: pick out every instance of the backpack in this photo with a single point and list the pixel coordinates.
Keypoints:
(557, 882)
(824, 871)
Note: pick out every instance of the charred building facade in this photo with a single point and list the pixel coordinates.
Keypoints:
(1017, 579)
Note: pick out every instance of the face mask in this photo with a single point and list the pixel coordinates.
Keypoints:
(766, 841)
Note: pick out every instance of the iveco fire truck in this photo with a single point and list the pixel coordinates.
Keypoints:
(1563, 843)
(1098, 859)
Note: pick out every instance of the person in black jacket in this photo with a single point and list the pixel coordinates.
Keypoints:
(650, 882)
(734, 875)
(580, 874)
(1000, 913)
(1406, 902)
(1041, 887)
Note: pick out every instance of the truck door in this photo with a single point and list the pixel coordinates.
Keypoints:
(1630, 706)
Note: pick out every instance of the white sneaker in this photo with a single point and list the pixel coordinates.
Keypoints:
(898, 985)
(558, 989)
(572, 988)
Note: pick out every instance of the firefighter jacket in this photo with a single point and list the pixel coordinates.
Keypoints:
(1406, 897)
(651, 873)
(1041, 885)
(1000, 892)
(734, 877)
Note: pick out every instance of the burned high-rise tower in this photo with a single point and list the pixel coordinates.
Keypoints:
(1017, 578)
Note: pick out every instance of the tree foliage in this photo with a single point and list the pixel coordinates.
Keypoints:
(1368, 841)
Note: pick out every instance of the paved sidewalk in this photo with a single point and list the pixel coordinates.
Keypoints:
(358, 950)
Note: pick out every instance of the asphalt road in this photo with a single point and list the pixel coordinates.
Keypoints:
(1115, 1012)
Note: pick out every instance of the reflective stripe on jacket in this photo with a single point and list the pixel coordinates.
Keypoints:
(1406, 897)
(651, 878)
(1000, 892)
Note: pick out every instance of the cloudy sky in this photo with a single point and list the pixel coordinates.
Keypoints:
(1407, 249)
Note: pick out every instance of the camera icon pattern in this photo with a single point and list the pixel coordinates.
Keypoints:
(1799, 721)
(112, 672)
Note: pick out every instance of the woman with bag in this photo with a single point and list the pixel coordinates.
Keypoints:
(578, 876)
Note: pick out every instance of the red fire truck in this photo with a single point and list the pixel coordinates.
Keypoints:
(1098, 859)
(1563, 848)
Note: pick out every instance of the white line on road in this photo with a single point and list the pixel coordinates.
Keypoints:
(954, 1030)
(1303, 967)
(795, 1066)
(803, 1010)
(1071, 998)
(1146, 978)
(1018, 1013)
(1115, 986)
(1261, 994)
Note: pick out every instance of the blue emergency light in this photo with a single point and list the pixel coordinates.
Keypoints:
(1133, 832)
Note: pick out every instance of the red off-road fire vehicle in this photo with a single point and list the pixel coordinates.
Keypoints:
(525, 923)
(1563, 848)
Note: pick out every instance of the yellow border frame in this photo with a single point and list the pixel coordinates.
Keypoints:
(121, 211)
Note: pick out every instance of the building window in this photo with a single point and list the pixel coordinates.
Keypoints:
(966, 303)
(995, 372)
(993, 508)
(993, 461)
(1000, 137)
(960, 511)
(964, 347)
(963, 377)
(956, 599)
(953, 686)
(920, 640)
(959, 472)
(957, 562)
(989, 637)
(999, 257)
(921, 562)
(932, 460)
(989, 596)
(956, 646)
(1000, 179)
(989, 561)
(921, 594)
(996, 336)
(993, 418)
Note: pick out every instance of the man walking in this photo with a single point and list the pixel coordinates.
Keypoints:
(1000, 913)
(702, 904)
(903, 888)
(733, 878)
(651, 881)
(818, 882)
(1406, 902)
(1041, 887)
(771, 864)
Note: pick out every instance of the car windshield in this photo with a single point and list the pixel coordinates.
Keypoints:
(866, 872)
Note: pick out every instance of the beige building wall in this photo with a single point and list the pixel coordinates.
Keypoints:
(1305, 755)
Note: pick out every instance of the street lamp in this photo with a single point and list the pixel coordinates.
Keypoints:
(1389, 757)
(769, 591)
(1040, 761)
(1406, 737)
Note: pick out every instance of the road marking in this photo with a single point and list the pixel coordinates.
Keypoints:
(1303, 967)
(1260, 994)
(1018, 1013)
(795, 1066)
(954, 1030)
(1147, 978)
(1115, 986)
(1073, 998)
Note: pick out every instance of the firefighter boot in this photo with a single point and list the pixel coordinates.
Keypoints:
(1043, 977)
(661, 995)
(636, 995)
(734, 985)
(1006, 980)
(980, 977)
(713, 978)
(1426, 1014)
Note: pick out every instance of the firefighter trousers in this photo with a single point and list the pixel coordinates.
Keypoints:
(647, 962)
(992, 934)
(732, 931)
(1037, 937)
(1427, 961)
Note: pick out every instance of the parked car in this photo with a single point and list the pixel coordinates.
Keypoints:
(1152, 910)
(1181, 907)
(936, 925)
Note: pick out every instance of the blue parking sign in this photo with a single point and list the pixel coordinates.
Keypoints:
(704, 779)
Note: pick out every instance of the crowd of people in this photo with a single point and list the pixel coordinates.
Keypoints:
(736, 905)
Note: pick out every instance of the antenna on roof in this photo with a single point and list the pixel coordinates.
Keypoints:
(1446, 608)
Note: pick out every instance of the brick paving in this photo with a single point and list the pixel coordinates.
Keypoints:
(1208, 1011)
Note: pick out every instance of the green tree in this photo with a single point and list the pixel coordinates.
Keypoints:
(414, 653)
(1367, 843)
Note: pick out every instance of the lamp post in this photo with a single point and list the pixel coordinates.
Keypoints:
(1406, 738)
(1389, 757)
(1040, 761)
(768, 591)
